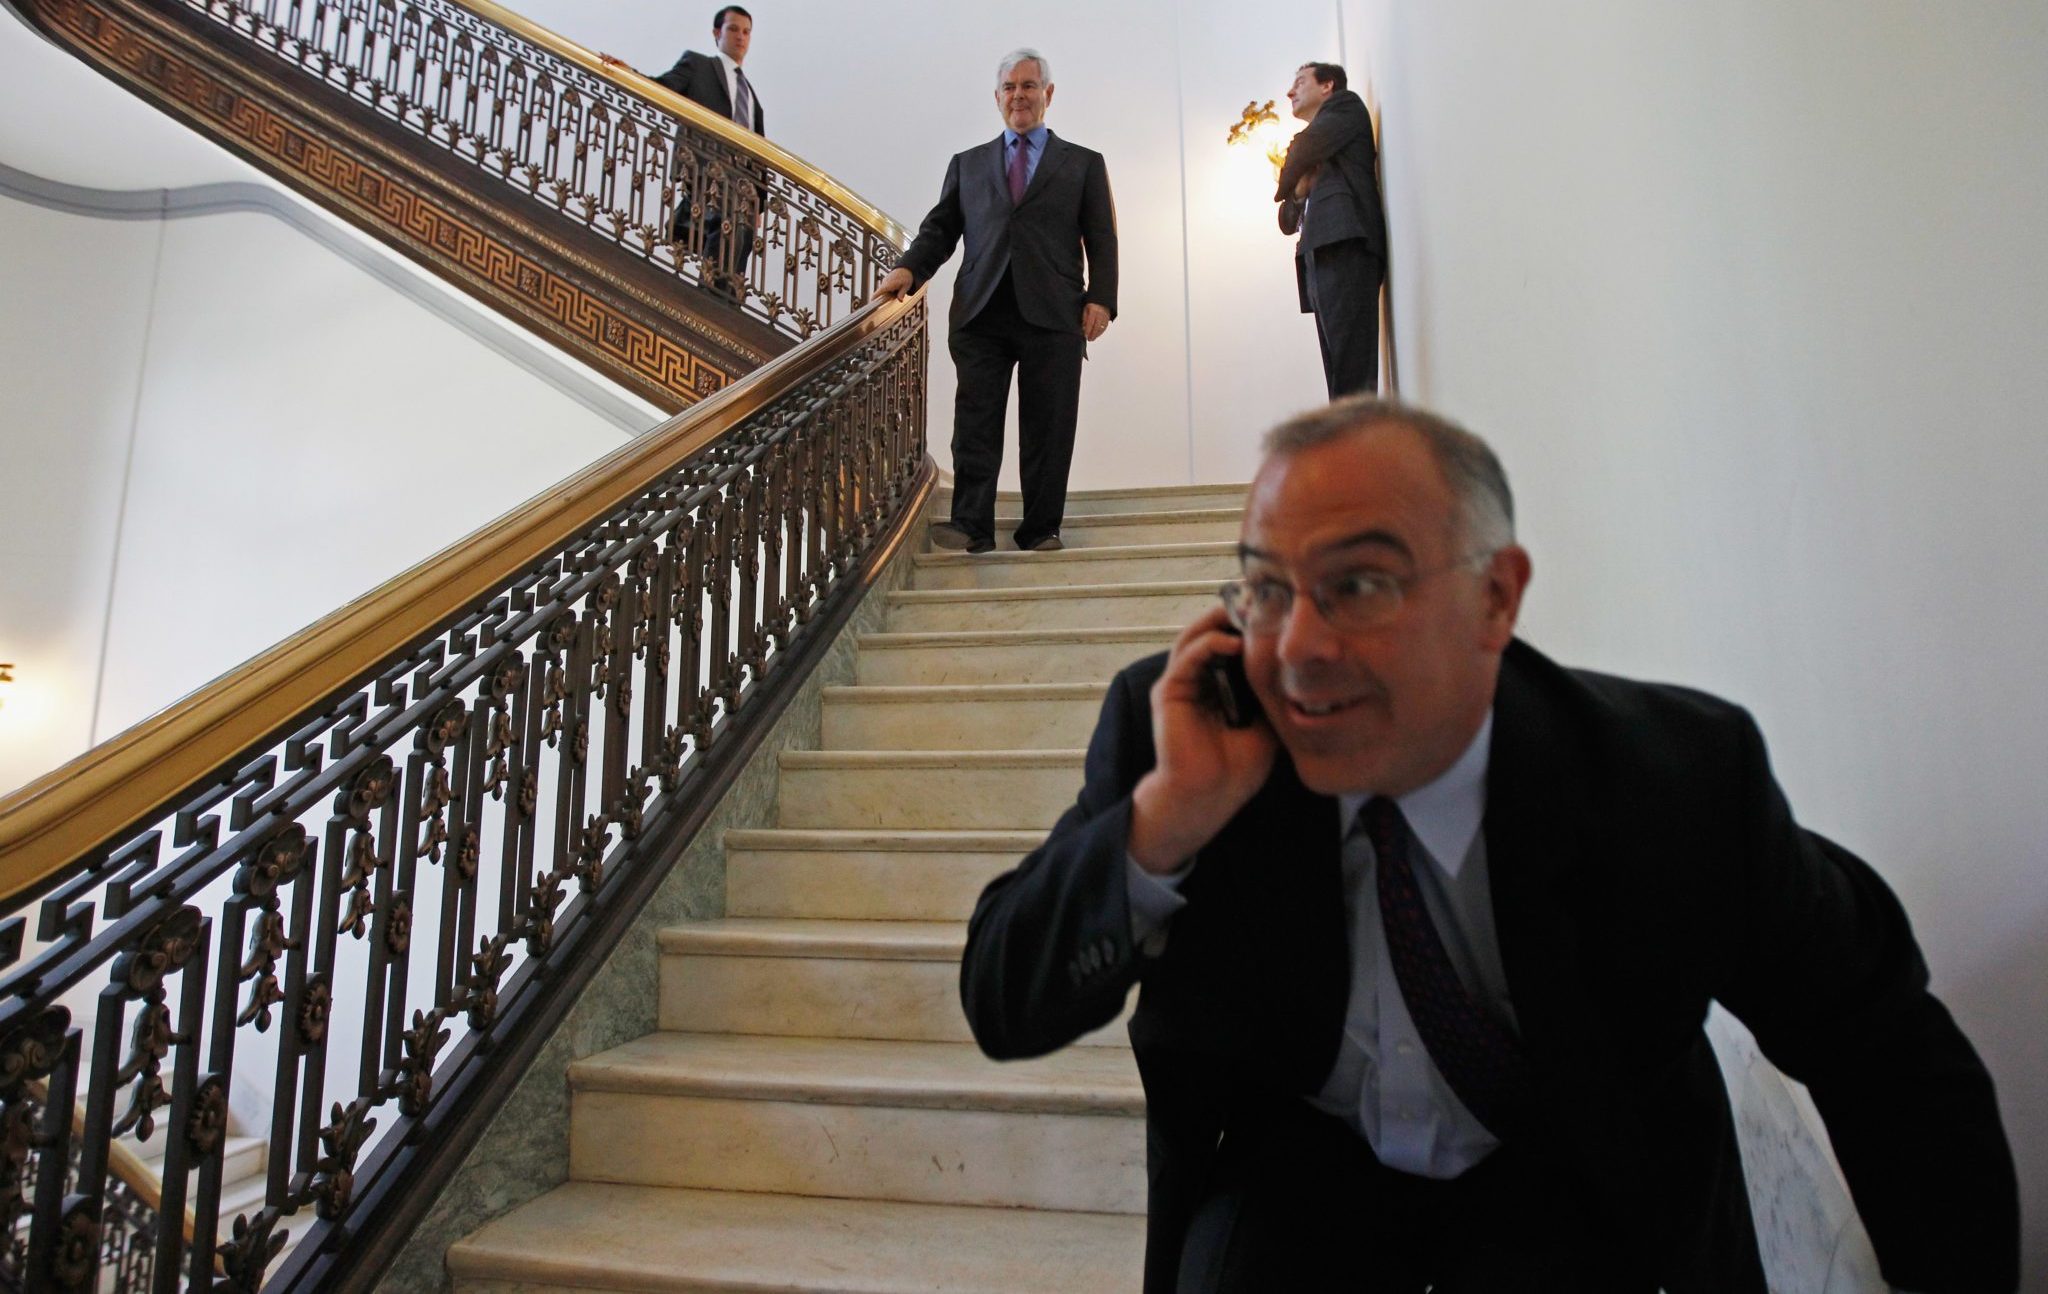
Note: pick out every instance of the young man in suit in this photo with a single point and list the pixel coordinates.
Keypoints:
(1426, 949)
(1330, 192)
(717, 81)
(1029, 204)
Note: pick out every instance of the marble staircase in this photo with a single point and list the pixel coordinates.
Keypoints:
(811, 1115)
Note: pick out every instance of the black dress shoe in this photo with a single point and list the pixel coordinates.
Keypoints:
(947, 535)
(1049, 544)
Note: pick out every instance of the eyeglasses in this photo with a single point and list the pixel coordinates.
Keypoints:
(1348, 602)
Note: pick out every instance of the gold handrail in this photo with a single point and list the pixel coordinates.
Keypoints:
(810, 177)
(78, 807)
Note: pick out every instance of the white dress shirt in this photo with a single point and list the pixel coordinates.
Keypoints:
(732, 90)
(1384, 1084)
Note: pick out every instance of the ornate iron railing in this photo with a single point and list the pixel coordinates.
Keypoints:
(130, 1219)
(616, 153)
(361, 873)
(662, 243)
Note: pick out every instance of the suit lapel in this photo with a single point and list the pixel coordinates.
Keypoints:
(1288, 889)
(724, 84)
(1056, 154)
(1537, 839)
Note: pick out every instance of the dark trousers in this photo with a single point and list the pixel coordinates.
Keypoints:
(713, 244)
(1048, 367)
(1343, 281)
(1300, 1203)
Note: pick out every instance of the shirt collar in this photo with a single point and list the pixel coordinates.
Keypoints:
(1036, 135)
(730, 67)
(1444, 815)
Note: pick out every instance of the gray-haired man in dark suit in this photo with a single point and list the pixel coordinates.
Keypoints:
(1330, 192)
(1029, 204)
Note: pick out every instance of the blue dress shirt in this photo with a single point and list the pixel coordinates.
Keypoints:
(1034, 140)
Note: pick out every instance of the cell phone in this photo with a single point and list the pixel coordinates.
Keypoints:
(1228, 692)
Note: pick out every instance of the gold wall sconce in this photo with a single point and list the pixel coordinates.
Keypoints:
(6, 682)
(1259, 126)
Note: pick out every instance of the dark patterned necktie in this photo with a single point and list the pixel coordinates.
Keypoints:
(1020, 174)
(742, 99)
(1473, 1050)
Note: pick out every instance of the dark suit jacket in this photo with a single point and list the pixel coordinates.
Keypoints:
(1066, 211)
(1644, 864)
(1344, 200)
(701, 78)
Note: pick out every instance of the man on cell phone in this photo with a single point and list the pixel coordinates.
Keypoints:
(1426, 949)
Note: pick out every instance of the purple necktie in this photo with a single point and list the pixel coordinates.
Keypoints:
(1020, 175)
(1475, 1052)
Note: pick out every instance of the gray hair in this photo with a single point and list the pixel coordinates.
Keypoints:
(1024, 54)
(1486, 507)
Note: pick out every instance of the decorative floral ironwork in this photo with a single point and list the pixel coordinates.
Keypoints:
(372, 787)
(363, 866)
(248, 1253)
(275, 864)
(489, 965)
(148, 1047)
(314, 1002)
(398, 926)
(31, 1050)
(78, 1246)
(208, 1122)
(421, 1044)
(267, 943)
(334, 1178)
(162, 951)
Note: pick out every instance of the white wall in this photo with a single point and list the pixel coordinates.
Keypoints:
(299, 433)
(71, 336)
(1753, 299)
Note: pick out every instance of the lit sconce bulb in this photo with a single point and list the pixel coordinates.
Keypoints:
(1260, 127)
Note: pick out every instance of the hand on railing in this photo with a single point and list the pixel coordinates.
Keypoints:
(896, 285)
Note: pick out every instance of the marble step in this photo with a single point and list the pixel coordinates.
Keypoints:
(243, 1180)
(821, 979)
(866, 875)
(591, 1236)
(1180, 526)
(990, 716)
(927, 790)
(1126, 564)
(1084, 606)
(1174, 526)
(1090, 503)
(241, 1157)
(1005, 655)
(926, 1122)
(814, 979)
